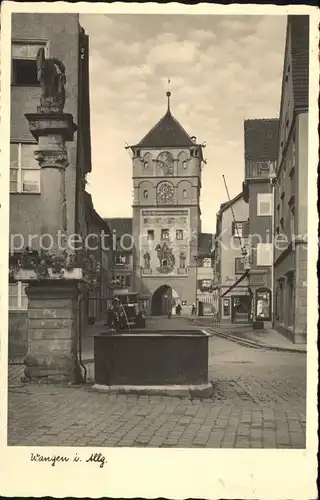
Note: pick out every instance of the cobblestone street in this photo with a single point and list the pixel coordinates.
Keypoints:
(258, 402)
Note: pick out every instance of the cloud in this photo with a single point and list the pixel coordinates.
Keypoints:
(203, 36)
(179, 53)
(223, 69)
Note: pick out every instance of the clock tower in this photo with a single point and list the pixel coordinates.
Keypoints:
(166, 176)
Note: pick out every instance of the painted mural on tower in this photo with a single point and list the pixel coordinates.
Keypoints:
(165, 242)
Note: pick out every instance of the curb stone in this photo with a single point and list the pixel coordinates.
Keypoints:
(188, 392)
(253, 344)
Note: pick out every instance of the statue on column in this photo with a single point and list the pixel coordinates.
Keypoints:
(51, 75)
(183, 258)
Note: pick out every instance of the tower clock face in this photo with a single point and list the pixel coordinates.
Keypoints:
(165, 162)
(165, 192)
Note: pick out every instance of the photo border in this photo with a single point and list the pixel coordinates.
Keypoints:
(149, 472)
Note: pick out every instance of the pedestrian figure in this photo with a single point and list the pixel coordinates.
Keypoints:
(193, 310)
(110, 317)
(178, 309)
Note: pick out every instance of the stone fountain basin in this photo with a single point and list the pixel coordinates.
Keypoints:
(145, 357)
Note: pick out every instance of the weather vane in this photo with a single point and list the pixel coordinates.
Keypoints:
(169, 93)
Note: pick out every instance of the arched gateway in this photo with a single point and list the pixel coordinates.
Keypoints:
(163, 300)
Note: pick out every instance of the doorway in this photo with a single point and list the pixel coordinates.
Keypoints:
(164, 299)
(240, 308)
(161, 301)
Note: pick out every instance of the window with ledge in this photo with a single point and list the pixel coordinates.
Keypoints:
(120, 260)
(18, 299)
(24, 64)
(164, 234)
(292, 223)
(24, 169)
(206, 262)
(284, 171)
(293, 153)
(150, 234)
(264, 204)
(264, 254)
(179, 234)
(239, 265)
(121, 281)
(226, 308)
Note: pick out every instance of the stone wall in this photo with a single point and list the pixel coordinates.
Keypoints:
(18, 333)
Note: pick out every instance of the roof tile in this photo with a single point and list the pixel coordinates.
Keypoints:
(298, 27)
(166, 133)
(261, 139)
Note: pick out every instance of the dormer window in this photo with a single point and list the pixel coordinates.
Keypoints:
(264, 167)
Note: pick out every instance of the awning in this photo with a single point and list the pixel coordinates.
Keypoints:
(242, 277)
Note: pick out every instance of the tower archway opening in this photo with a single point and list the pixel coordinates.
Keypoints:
(164, 301)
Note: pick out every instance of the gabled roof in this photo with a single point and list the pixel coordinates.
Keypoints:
(92, 215)
(298, 27)
(261, 139)
(166, 133)
(228, 203)
(121, 225)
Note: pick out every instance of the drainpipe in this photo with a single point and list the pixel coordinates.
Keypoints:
(80, 331)
(272, 187)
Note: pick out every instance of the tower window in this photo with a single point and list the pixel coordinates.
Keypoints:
(179, 234)
(145, 194)
(164, 234)
(184, 194)
(185, 165)
(146, 164)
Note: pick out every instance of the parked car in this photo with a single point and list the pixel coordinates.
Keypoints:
(131, 314)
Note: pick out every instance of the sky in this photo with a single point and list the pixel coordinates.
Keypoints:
(223, 70)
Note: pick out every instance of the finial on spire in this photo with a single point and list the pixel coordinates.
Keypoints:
(168, 94)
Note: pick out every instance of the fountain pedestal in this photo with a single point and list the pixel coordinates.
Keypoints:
(53, 347)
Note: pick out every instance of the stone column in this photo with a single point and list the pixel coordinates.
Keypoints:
(53, 299)
(52, 130)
